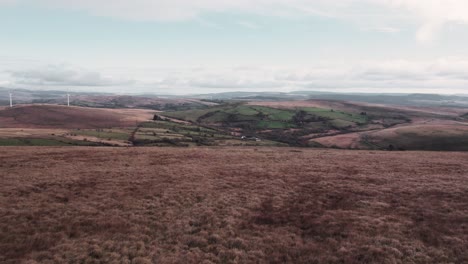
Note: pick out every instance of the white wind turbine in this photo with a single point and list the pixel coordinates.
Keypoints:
(68, 97)
(11, 100)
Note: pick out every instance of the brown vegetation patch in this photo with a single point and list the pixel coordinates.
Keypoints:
(30, 132)
(232, 205)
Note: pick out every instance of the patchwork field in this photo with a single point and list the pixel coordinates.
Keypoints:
(232, 205)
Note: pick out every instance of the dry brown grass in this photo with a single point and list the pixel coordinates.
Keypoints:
(29, 132)
(63, 117)
(232, 205)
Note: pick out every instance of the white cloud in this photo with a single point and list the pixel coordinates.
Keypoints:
(433, 14)
(62, 75)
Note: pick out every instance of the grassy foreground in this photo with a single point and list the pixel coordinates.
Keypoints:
(231, 205)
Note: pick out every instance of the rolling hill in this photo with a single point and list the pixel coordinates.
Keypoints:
(304, 123)
(338, 124)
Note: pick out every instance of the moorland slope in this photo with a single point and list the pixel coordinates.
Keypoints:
(232, 205)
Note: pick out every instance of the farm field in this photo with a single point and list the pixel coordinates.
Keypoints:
(266, 205)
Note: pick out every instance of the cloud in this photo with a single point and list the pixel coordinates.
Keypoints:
(431, 16)
(446, 75)
(7, 2)
(442, 76)
(63, 75)
(235, 83)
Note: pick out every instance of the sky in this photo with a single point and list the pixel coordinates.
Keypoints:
(209, 46)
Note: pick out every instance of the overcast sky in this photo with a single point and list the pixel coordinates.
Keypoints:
(204, 46)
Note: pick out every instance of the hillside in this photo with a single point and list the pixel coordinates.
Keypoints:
(338, 124)
(232, 205)
(303, 123)
(63, 117)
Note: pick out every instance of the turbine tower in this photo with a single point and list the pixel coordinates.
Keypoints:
(68, 96)
(11, 101)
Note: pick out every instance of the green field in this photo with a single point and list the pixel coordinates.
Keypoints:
(172, 133)
(337, 115)
(261, 117)
(192, 115)
(268, 124)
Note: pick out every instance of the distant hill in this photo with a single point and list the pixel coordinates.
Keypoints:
(101, 100)
(194, 101)
(376, 98)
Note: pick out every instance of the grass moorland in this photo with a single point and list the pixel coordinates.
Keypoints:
(232, 205)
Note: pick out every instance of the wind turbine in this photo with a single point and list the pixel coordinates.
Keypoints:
(68, 97)
(11, 100)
